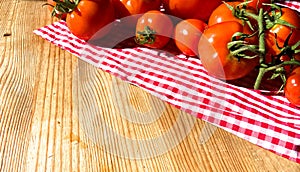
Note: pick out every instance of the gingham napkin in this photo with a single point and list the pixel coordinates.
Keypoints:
(268, 121)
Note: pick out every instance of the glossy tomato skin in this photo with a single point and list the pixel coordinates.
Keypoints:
(132, 7)
(120, 9)
(187, 34)
(89, 19)
(141, 6)
(215, 56)
(222, 14)
(128, 11)
(192, 9)
(292, 87)
(159, 23)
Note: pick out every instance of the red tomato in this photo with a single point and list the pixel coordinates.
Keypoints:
(216, 57)
(125, 8)
(128, 11)
(222, 14)
(292, 87)
(154, 29)
(89, 18)
(282, 31)
(120, 9)
(187, 34)
(196, 9)
(279, 33)
(51, 5)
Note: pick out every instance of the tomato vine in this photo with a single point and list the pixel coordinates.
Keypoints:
(265, 21)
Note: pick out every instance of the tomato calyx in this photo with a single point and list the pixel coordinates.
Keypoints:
(240, 12)
(63, 7)
(240, 48)
(274, 17)
(147, 36)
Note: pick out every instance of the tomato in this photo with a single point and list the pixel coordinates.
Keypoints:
(257, 4)
(128, 11)
(274, 50)
(282, 31)
(126, 8)
(120, 9)
(51, 6)
(154, 29)
(216, 57)
(279, 33)
(222, 14)
(292, 87)
(89, 18)
(187, 34)
(196, 9)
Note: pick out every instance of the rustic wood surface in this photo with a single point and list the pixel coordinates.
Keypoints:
(48, 98)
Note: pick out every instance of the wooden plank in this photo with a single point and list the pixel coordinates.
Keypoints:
(48, 119)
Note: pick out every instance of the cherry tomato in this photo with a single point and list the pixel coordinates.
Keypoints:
(222, 14)
(282, 31)
(216, 57)
(187, 34)
(128, 11)
(126, 8)
(279, 33)
(120, 9)
(89, 18)
(154, 29)
(196, 9)
(292, 87)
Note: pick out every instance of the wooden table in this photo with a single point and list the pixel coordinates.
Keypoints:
(47, 101)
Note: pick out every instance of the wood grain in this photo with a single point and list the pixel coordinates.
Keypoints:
(51, 106)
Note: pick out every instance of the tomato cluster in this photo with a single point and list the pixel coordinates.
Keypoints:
(231, 38)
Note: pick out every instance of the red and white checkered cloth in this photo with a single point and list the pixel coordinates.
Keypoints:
(266, 120)
(295, 5)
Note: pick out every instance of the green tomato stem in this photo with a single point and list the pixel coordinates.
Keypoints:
(261, 34)
(291, 62)
(263, 70)
(252, 15)
(259, 78)
(262, 49)
(244, 48)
